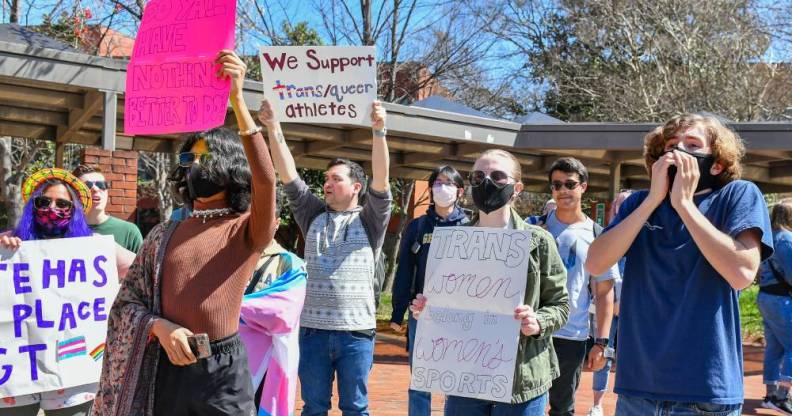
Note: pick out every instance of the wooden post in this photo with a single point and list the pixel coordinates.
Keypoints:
(59, 148)
(614, 184)
(109, 121)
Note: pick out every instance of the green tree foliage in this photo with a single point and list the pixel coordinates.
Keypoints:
(67, 27)
(298, 35)
(646, 60)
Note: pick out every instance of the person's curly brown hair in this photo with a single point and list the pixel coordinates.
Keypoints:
(727, 147)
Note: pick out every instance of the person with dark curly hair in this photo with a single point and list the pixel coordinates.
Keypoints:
(173, 346)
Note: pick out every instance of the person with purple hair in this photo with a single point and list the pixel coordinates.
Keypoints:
(55, 206)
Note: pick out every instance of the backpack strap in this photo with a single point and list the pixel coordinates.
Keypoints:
(258, 273)
(418, 239)
(597, 229)
(426, 227)
(779, 276)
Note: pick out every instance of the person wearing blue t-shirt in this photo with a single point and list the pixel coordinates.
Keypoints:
(692, 241)
(573, 232)
(775, 304)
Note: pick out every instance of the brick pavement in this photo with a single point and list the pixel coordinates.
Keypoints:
(391, 376)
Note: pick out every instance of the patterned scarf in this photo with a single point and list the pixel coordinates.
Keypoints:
(53, 222)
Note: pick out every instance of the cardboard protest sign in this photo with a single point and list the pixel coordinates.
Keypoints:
(171, 84)
(467, 337)
(320, 84)
(55, 296)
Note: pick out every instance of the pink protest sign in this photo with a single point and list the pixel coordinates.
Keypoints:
(171, 84)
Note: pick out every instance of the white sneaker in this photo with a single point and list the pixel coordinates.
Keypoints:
(783, 407)
(595, 411)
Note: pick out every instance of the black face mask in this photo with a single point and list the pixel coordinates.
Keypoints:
(706, 179)
(198, 186)
(488, 197)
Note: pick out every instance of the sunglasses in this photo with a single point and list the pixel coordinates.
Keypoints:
(187, 159)
(99, 184)
(42, 202)
(498, 177)
(557, 185)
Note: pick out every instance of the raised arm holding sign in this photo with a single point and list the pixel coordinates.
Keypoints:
(343, 243)
(159, 352)
(171, 85)
(320, 84)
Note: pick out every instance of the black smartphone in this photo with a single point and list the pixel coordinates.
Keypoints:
(199, 344)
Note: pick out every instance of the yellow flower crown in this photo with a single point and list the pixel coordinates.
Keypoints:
(39, 177)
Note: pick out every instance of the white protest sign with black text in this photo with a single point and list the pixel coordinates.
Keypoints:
(320, 84)
(467, 337)
(55, 296)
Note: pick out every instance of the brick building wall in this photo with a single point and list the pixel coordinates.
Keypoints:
(120, 169)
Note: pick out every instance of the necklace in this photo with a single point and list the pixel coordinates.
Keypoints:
(210, 213)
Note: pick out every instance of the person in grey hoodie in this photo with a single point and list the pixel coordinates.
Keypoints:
(342, 242)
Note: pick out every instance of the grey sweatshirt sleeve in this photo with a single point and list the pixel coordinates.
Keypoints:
(305, 206)
(376, 214)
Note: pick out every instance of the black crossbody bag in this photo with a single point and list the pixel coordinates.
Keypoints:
(782, 288)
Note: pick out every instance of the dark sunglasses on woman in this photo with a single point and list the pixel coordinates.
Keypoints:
(42, 202)
(498, 177)
(186, 159)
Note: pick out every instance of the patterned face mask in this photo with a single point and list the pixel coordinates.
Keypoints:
(53, 222)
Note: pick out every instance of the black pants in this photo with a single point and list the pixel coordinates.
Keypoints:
(218, 385)
(571, 355)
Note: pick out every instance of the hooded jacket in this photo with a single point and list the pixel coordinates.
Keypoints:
(413, 254)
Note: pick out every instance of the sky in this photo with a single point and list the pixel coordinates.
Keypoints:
(296, 11)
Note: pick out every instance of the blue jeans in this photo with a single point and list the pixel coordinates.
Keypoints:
(324, 353)
(777, 316)
(636, 406)
(600, 378)
(463, 406)
(420, 402)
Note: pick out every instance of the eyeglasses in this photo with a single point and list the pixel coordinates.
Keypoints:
(557, 185)
(42, 202)
(498, 177)
(441, 183)
(187, 159)
(99, 184)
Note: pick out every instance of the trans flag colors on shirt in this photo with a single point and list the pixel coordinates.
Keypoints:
(269, 327)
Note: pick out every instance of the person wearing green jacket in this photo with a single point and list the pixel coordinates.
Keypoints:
(496, 181)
